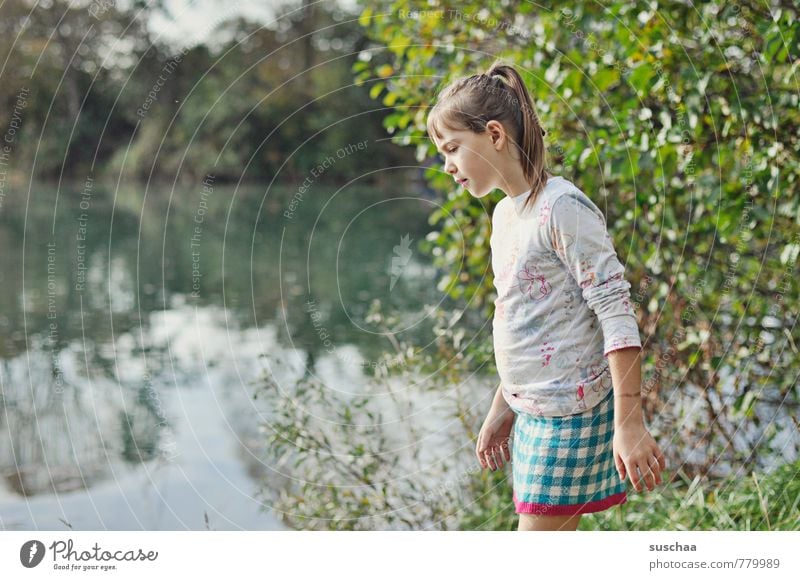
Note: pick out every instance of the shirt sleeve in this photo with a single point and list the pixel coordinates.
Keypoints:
(578, 235)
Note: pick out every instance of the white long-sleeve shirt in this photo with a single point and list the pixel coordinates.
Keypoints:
(562, 301)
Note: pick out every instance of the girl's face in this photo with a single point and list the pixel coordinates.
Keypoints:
(468, 158)
(480, 161)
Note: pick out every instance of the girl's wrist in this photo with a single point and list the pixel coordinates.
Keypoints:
(625, 418)
(501, 407)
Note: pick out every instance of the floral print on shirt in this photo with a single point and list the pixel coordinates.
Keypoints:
(562, 301)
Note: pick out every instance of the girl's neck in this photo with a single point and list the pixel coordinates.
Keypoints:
(523, 187)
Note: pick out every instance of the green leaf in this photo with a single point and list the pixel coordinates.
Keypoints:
(365, 19)
(605, 78)
(376, 89)
(639, 79)
(390, 99)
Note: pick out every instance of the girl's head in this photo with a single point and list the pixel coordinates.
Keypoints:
(489, 134)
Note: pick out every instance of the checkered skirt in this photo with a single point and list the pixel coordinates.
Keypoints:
(565, 465)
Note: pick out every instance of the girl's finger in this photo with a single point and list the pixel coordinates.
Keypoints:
(633, 473)
(620, 466)
(649, 476)
(479, 452)
(655, 466)
(487, 457)
(506, 450)
(496, 458)
(662, 463)
(641, 472)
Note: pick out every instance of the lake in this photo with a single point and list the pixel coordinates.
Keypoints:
(135, 321)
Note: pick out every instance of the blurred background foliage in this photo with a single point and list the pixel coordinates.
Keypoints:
(226, 105)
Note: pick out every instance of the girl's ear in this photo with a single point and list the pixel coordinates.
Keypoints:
(497, 133)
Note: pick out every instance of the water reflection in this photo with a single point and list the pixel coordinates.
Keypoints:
(132, 331)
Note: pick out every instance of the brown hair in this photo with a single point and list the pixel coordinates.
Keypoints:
(498, 94)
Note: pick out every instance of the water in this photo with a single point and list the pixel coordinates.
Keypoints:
(134, 325)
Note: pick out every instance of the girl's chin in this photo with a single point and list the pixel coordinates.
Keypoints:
(475, 192)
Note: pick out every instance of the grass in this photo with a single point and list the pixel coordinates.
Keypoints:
(739, 503)
(762, 502)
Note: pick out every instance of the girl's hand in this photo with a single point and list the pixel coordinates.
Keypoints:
(493, 440)
(635, 449)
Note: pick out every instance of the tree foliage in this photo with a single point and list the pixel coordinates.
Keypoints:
(105, 94)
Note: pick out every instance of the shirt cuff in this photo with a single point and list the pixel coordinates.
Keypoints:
(620, 332)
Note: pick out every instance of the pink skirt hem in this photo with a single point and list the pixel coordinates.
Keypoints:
(545, 509)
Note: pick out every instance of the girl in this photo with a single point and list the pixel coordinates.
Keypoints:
(566, 340)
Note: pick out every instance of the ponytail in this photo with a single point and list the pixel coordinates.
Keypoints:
(531, 132)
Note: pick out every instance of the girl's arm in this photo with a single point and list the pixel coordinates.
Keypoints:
(577, 233)
(626, 376)
(499, 404)
(636, 454)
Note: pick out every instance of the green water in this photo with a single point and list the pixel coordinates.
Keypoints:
(115, 298)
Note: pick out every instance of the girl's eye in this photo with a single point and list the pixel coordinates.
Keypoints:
(441, 156)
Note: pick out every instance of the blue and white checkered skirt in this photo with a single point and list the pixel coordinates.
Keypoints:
(565, 465)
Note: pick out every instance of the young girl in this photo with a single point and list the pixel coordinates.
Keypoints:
(566, 339)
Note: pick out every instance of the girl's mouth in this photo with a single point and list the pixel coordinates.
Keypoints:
(463, 182)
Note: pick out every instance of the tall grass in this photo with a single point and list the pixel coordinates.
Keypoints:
(740, 502)
(758, 502)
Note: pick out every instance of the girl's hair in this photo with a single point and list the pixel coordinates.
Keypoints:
(498, 94)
